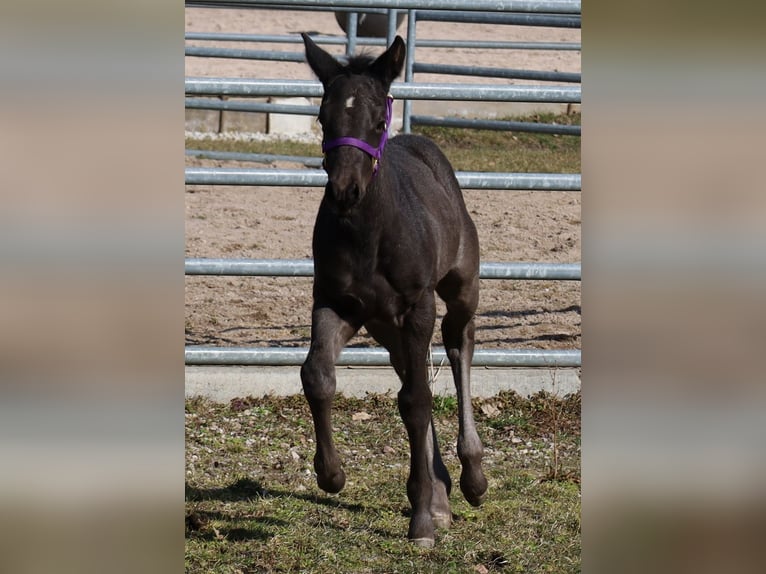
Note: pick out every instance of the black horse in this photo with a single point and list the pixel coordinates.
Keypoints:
(391, 231)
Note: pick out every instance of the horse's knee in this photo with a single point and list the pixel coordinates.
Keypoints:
(318, 378)
(457, 329)
(415, 404)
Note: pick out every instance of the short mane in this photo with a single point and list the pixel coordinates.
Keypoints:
(358, 64)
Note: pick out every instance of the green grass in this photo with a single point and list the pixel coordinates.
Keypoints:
(483, 150)
(253, 505)
(285, 147)
(467, 150)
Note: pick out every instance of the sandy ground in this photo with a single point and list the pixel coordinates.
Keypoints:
(250, 222)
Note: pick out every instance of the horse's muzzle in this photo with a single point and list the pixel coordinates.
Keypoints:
(345, 199)
(346, 177)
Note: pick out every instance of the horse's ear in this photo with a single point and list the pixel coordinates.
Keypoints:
(389, 63)
(323, 64)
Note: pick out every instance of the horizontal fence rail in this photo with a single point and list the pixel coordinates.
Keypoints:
(497, 125)
(318, 178)
(444, 69)
(239, 54)
(413, 91)
(545, 6)
(314, 162)
(239, 106)
(364, 41)
(507, 73)
(305, 268)
(376, 357)
(543, 20)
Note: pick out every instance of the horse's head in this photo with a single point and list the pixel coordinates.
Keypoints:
(355, 115)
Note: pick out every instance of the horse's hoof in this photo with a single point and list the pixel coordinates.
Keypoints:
(475, 500)
(443, 521)
(474, 489)
(423, 542)
(332, 484)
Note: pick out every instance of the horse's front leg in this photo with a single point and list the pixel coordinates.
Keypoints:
(329, 334)
(415, 405)
(390, 337)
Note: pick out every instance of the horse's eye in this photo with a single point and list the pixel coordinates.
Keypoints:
(381, 126)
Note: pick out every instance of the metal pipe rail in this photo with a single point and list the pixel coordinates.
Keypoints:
(376, 357)
(486, 72)
(545, 6)
(498, 45)
(292, 6)
(237, 54)
(464, 17)
(305, 268)
(315, 162)
(364, 41)
(508, 73)
(413, 91)
(318, 178)
(497, 125)
(263, 107)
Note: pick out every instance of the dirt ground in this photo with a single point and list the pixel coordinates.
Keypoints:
(250, 222)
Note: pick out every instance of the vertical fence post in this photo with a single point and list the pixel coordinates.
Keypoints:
(411, 19)
(353, 21)
(391, 32)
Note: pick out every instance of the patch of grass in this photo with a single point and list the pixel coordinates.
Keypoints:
(256, 507)
(467, 150)
(284, 147)
(301, 332)
(484, 150)
(445, 406)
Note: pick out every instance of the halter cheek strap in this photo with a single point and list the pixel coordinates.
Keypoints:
(374, 153)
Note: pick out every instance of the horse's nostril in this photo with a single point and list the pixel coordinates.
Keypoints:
(346, 196)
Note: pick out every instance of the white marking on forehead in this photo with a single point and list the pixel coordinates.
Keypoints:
(350, 102)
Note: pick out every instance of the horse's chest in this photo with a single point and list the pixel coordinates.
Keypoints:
(368, 292)
(367, 275)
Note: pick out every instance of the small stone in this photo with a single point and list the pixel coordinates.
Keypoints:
(490, 410)
(361, 416)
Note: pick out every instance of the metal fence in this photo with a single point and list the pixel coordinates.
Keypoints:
(409, 90)
(561, 13)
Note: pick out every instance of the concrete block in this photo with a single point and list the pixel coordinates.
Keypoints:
(251, 122)
(223, 383)
(290, 124)
(202, 120)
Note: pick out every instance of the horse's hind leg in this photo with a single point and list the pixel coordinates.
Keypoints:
(329, 333)
(390, 337)
(458, 336)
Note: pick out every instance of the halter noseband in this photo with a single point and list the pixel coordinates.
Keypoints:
(375, 153)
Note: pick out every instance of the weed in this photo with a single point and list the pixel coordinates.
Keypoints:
(445, 406)
(235, 445)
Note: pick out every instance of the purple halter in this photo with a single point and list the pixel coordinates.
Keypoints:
(375, 153)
